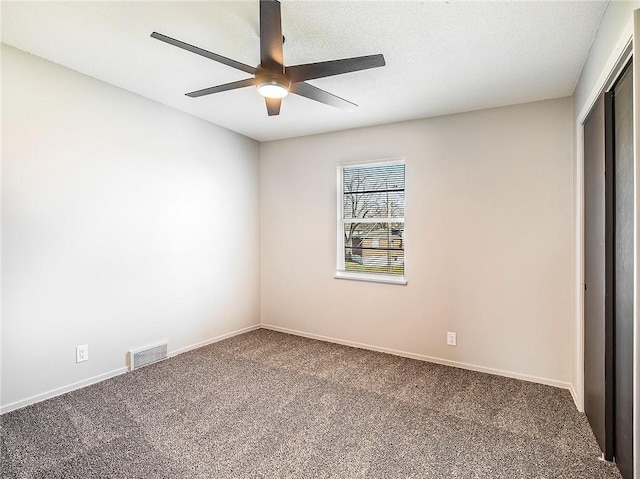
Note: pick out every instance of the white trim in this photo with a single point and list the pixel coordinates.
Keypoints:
(364, 164)
(579, 271)
(116, 372)
(431, 359)
(62, 390)
(206, 342)
(636, 310)
(574, 395)
(341, 273)
(339, 226)
(370, 277)
(609, 71)
(472, 367)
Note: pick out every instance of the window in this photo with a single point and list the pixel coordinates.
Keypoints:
(371, 237)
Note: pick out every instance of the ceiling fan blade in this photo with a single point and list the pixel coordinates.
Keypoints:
(273, 105)
(204, 53)
(309, 91)
(271, 36)
(309, 71)
(227, 86)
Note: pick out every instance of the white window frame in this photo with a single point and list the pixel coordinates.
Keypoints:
(340, 267)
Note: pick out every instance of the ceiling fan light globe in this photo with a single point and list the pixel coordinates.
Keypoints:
(273, 87)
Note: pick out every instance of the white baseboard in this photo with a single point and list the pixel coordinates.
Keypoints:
(61, 390)
(574, 395)
(431, 359)
(472, 367)
(206, 342)
(101, 377)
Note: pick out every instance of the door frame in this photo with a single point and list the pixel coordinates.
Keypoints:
(627, 43)
(616, 65)
(636, 313)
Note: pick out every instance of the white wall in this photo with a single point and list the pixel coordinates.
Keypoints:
(124, 222)
(488, 235)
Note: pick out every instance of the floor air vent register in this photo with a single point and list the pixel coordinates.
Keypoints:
(141, 357)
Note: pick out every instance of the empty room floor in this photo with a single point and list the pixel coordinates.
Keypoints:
(271, 405)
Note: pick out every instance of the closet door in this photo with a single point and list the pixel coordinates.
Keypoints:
(623, 275)
(598, 306)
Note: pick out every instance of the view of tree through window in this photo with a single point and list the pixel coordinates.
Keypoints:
(373, 218)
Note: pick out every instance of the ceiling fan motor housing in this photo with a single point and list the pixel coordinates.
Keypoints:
(272, 84)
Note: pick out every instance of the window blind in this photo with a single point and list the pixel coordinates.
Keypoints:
(372, 219)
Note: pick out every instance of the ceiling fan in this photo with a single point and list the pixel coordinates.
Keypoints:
(272, 79)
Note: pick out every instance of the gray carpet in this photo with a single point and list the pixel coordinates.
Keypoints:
(271, 405)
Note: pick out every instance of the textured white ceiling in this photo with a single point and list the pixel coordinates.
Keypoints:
(442, 57)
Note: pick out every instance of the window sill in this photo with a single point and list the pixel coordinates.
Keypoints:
(371, 278)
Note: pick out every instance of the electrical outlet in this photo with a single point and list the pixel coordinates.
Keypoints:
(452, 339)
(82, 353)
